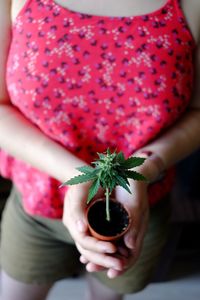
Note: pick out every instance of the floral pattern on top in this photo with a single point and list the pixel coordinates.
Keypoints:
(92, 82)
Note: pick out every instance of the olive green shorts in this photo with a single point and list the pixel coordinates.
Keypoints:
(41, 250)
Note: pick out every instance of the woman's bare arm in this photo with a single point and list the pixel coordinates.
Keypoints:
(182, 138)
(17, 135)
(5, 35)
(25, 141)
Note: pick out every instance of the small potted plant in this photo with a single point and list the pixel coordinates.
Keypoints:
(107, 218)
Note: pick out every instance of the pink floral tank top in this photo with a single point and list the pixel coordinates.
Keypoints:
(91, 82)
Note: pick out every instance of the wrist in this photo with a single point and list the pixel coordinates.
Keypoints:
(153, 168)
(69, 167)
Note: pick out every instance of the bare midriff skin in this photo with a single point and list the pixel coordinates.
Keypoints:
(40, 151)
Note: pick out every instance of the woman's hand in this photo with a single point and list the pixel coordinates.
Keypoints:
(96, 252)
(138, 206)
(129, 249)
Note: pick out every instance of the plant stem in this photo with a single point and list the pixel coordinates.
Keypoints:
(107, 194)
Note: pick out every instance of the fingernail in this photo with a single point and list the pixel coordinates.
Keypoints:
(105, 249)
(111, 274)
(80, 226)
(117, 266)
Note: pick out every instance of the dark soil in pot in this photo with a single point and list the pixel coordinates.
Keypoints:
(119, 219)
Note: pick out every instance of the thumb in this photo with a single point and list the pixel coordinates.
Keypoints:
(130, 238)
(75, 203)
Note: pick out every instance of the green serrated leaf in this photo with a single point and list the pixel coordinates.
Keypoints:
(122, 183)
(101, 155)
(81, 179)
(133, 162)
(135, 175)
(123, 175)
(113, 184)
(120, 157)
(93, 190)
(108, 151)
(85, 169)
(108, 171)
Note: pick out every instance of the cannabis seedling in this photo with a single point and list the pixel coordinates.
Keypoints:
(110, 170)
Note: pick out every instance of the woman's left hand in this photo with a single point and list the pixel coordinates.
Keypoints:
(137, 205)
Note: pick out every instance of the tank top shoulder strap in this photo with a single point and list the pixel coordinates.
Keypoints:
(23, 9)
(28, 3)
(178, 11)
(178, 7)
(175, 3)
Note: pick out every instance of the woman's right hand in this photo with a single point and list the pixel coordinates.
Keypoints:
(95, 251)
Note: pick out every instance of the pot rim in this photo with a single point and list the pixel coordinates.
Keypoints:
(104, 237)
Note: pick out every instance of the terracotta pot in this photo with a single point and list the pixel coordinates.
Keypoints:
(105, 230)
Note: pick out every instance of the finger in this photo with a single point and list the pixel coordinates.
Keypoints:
(91, 267)
(112, 273)
(83, 260)
(135, 208)
(92, 244)
(131, 236)
(123, 251)
(135, 252)
(100, 259)
(75, 203)
(75, 220)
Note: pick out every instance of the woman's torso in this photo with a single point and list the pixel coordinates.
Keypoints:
(93, 82)
(98, 80)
